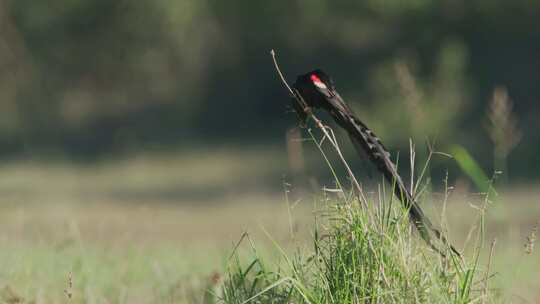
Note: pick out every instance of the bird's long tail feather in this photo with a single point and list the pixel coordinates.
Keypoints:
(365, 141)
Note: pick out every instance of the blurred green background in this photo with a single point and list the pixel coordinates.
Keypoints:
(156, 123)
(88, 79)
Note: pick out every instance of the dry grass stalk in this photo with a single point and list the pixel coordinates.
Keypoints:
(69, 290)
(531, 239)
(502, 128)
(413, 95)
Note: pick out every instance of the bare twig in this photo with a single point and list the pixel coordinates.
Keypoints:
(279, 72)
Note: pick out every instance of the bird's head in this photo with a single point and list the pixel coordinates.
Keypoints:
(315, 87)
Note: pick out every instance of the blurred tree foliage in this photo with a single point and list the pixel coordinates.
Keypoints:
(87, 77)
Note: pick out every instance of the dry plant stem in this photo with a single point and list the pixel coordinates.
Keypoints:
(416, 190)
(486, 278)
(412, 154)
(447, 191)
(325, 130)
(333, 141)
(286, 191)
(69, 290)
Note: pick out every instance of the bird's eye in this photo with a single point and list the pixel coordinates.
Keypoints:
(317, 81)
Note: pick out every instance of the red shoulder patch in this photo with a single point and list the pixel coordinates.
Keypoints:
(315, 78)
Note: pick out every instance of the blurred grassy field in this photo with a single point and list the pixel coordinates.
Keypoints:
(159, 228)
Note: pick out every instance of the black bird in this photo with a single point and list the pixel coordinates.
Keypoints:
(317, 90)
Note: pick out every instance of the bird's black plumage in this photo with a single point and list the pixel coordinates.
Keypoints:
(317, 90)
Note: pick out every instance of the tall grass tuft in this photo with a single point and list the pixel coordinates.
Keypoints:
(356, 260)
(360, 255)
